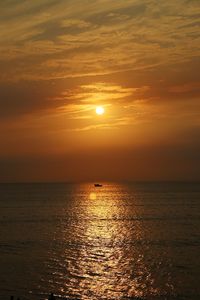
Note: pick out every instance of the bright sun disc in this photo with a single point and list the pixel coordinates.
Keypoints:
(100, 110)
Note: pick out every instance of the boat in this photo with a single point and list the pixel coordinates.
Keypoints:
(98, 185)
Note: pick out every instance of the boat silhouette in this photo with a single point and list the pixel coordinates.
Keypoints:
(97, 185)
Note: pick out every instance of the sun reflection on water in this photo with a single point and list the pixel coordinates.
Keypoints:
(103, 252)
(92, 196)
(105, 264)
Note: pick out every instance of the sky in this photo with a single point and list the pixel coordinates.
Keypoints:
(59, 60)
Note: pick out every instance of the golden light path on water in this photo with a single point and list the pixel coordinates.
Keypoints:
(102, 253)
(107, 259)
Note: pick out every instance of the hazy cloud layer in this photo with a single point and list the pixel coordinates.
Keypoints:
(51, 39)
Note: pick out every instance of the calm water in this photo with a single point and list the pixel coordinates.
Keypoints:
(114, 242)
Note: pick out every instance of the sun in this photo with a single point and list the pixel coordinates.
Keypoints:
(99, 110)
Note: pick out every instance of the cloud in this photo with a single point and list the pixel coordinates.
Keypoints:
(27, 98)
(80, 103)
(58, 39)
(100, 92)
(185, 88)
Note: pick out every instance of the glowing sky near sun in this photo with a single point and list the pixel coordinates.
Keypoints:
(137, 59)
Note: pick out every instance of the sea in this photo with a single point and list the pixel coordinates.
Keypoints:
(118, 241)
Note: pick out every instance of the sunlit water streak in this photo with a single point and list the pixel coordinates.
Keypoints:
(114, 242)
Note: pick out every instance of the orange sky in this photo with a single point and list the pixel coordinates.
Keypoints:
(139, 59)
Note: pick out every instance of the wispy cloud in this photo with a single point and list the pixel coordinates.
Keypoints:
(59, 39)
(98, 93)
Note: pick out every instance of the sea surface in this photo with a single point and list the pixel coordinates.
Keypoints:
(120, 241)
